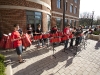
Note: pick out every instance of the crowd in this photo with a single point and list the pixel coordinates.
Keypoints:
(69, 33)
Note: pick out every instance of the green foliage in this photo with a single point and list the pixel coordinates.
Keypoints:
(2, 58)
(96, 32)
(2, 66)
(2, 69)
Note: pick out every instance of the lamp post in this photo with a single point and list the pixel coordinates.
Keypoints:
(64, 1)
(92, 18)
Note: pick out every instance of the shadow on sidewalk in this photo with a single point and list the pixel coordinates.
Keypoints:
(45, 64)
(97, 46)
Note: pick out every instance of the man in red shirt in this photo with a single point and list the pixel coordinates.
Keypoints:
(66, 32)
(17, 43)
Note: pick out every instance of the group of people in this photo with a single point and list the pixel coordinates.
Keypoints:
(16, 36)
(71, 33)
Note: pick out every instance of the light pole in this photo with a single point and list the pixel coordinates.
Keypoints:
(64, 1)
(92, 18)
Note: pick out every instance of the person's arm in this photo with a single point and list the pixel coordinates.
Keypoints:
(13, 38)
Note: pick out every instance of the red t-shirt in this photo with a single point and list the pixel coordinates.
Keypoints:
(66, 31)
(16, 35)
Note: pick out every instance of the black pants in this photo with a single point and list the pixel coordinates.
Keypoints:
(71, 43)
(77, 41)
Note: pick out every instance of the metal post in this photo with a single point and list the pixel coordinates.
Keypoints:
(92, 18)
(64, 1)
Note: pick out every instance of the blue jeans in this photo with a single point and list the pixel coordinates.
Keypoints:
(39, 41)
(80, 39)
(19, 50)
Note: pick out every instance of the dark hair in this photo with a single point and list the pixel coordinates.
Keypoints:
(68, 24)
(74, 27)
(15, 25)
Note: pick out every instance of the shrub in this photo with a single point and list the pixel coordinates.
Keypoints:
(2, 69)
(2, 66)
(96, 32)
(2, 58)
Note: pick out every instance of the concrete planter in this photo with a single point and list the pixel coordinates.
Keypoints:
(8, 70)
(94, 37)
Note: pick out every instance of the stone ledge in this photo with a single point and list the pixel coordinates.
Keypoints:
(94, 37)
(8, 70)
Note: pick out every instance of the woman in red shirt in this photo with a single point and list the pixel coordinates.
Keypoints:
(17, 43)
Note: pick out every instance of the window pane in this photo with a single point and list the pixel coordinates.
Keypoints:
(58, 22)
(30, 17)
(75, 1)
(30, 21)
(29, 13)
(38, 17)
(75, 10)
(37, 13)
(71, 8)
(58, 4)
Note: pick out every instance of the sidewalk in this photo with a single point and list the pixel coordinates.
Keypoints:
(40, 62)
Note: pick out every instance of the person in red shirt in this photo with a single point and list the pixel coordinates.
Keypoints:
(17, 43)
(54, 29)
(66, 32)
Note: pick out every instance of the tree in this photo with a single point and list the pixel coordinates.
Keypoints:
(85, 19)
(98, 20)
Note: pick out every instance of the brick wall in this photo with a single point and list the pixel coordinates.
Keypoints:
(54, 7)
(20, 3)
(9, 17)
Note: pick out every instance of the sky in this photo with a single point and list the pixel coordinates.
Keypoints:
(89, 6)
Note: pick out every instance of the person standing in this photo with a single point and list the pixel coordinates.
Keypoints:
(17, 43)
(66, 32)
(78, 35)
(29, 30)
(73, 30)
(39, 32)
(54, 30)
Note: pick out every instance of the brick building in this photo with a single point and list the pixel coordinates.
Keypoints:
(45, 12)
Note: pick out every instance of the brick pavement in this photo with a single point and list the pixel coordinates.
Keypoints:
(40, 62)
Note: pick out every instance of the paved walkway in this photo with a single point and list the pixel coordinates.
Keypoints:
(40, 62)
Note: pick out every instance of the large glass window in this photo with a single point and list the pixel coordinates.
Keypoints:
(59, 4)
(58, 23)
(75, 10)
(49, 22)
(34, 18)
(71, 8)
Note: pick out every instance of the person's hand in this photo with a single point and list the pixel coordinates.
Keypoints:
(22, 37)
